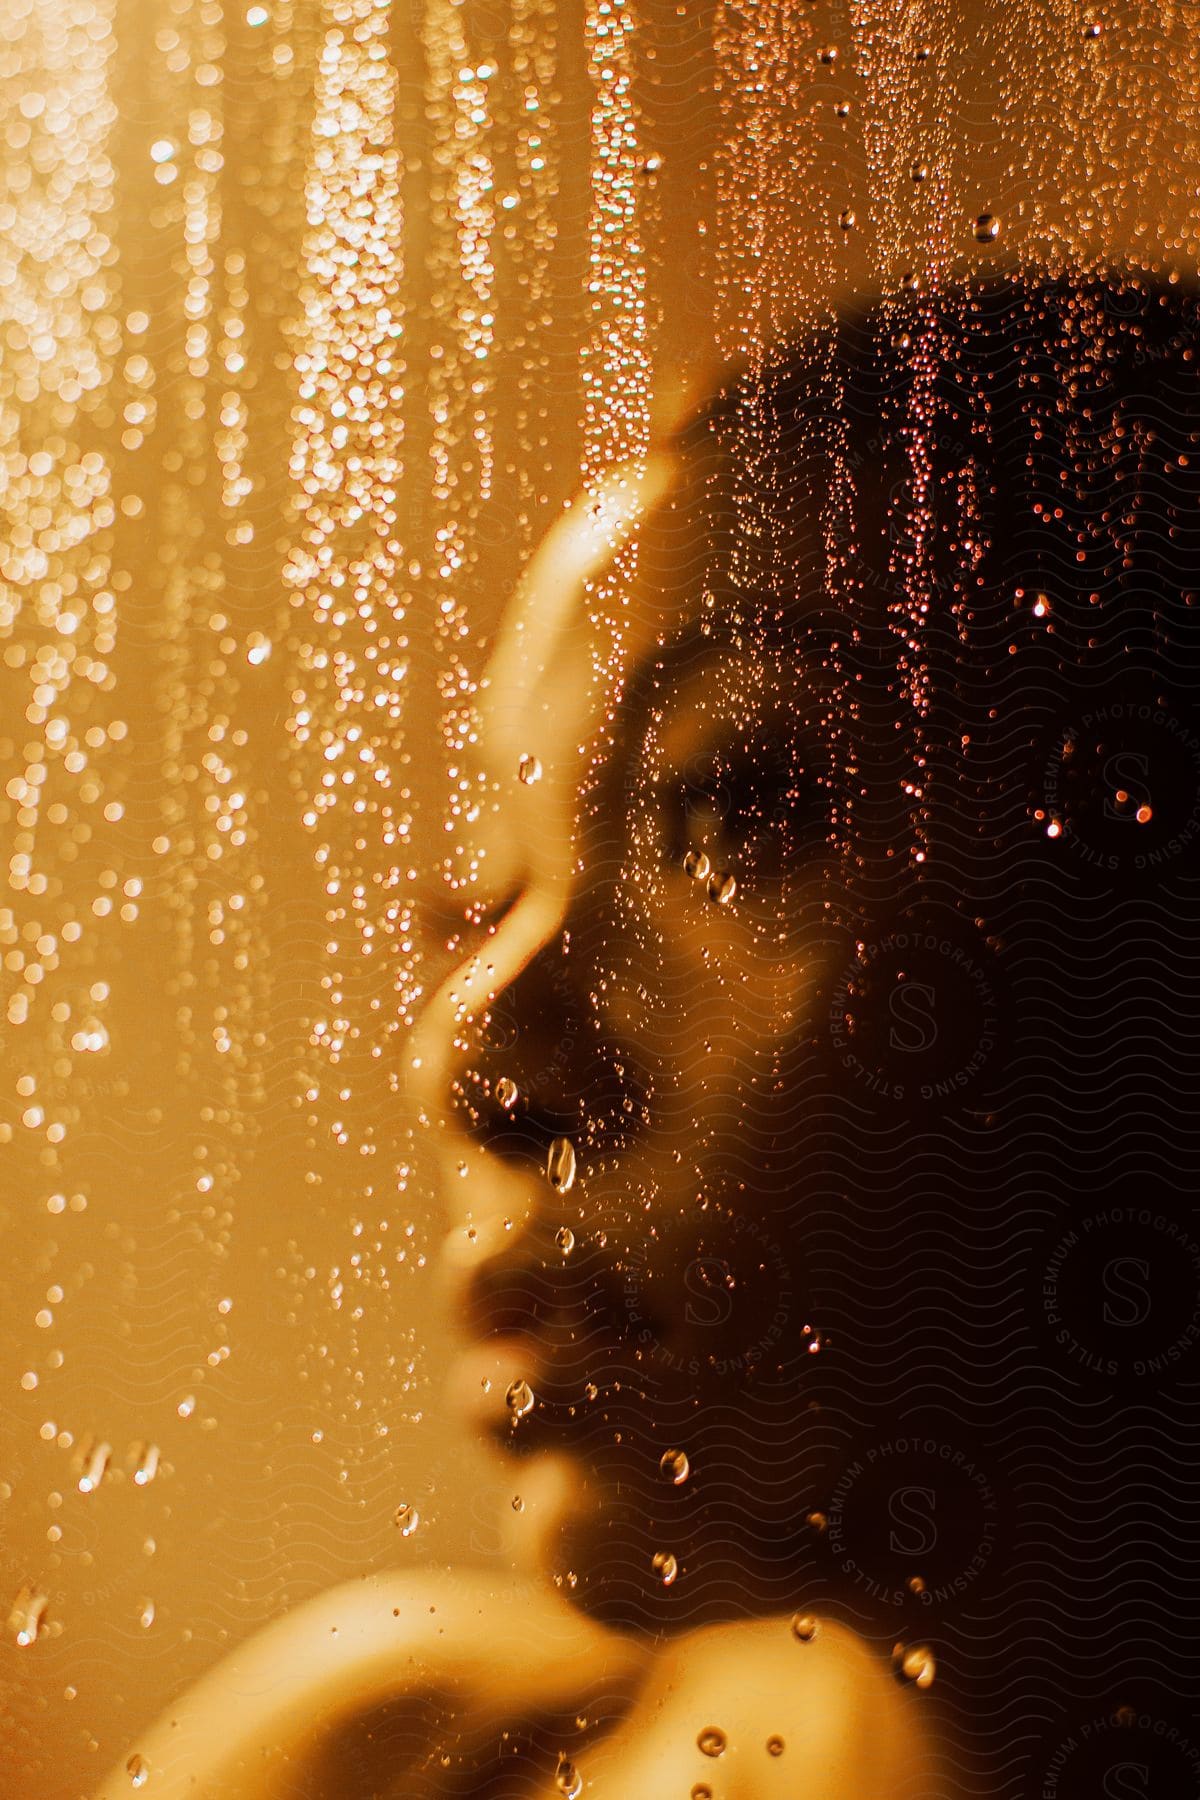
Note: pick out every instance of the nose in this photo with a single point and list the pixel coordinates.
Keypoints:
(507, 939)
(548, 1092)
(488, 1200)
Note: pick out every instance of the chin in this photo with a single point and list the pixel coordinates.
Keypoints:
(631, 1547)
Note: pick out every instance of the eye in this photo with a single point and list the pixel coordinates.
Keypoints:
(720, 798)
(752, 804)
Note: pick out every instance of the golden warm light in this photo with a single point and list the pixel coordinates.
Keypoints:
(601, 777)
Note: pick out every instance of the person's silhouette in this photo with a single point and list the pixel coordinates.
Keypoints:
(817, 1087)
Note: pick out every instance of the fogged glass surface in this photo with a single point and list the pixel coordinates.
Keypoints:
(601, 763)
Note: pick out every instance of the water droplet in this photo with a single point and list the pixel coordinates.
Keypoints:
(138, 1770)
(26, 1615)
(675, 1466)
(146, 1464)
(696, 865)
(847, 218)
(722, 887)
(916, 1663)
(805, 1627)
(519, 1398)
(829, 55)
(507, 1092)
(842, 109)
(711, 1741)
(567, 1779)
(1092, 29)
(406, 1519)
(560, 1165)
(1144, 814)
(987, 227)
(146, 1616)
(665, 1566)
(1054, 828)
(95, 1468)
(652, 164)
(564, 1237)
(774, 1746)
(529, 769)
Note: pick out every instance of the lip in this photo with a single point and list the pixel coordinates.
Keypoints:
(479, 1379)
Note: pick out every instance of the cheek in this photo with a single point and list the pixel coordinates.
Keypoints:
(710, 988)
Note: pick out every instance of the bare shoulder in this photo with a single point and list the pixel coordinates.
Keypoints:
(267, 1709)
(741, 1711)
(750, 1710)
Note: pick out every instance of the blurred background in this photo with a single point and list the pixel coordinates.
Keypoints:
(312, 316)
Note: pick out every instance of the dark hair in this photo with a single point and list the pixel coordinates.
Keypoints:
(1017, 1273)
(1129, 338)
(1007, 479)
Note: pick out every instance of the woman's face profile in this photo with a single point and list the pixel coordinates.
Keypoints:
(627, 1262)
(788, 1004)
(805, 1076)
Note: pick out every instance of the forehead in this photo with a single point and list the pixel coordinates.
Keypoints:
(706, 585)
(842, 532)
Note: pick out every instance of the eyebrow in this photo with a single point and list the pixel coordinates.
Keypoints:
(659, 671)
